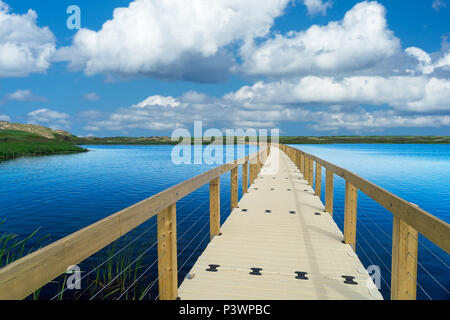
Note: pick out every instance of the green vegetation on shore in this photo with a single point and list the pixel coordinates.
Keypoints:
(285, 140)
(15, 142)
(367, 139)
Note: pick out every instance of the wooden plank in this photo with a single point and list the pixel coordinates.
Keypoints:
(318, 186)
(234, 188)
(245, 177)
(329, 191)
(404, 261)
(167, 254)
(351, 195)
(214, 207)
(433, 228)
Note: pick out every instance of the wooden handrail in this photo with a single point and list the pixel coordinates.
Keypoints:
(408, 219)
(22, 277)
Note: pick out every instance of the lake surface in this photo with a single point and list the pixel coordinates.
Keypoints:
(62, 194)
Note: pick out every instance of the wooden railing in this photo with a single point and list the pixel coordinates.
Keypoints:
(23, 277)
(408, 219)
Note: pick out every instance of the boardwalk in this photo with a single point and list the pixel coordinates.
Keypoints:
(279, 244)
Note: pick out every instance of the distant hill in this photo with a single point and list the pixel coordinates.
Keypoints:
(13, 130)
(18, 140)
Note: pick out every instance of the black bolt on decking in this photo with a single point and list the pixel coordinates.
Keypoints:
(244, 210)
(255, 271)
(213, 268)
(317, 213)
(272, 189)
(349, 280)
(292, 212)
(301, 275)
(268, 211)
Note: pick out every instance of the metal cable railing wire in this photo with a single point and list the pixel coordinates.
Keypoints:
(415, 258)
(126, 268)
(109, 258)
(370, 260)
(127, 245)
(147, 269)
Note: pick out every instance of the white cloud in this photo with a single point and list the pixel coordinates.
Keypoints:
(439, 4)
(375, 121)
(444, 62)
(246, 109)
(425, 63)
(4, 117)
(360, 41)
(24, 46)
(317, 6)
(167, 113)
(23, 95)
(171, 39)
(91, 96)
(420, 94)
(51, 118)
(423, 58)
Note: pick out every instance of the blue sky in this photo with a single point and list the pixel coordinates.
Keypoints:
(309, 67)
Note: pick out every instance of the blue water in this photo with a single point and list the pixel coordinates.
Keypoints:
(62, 194)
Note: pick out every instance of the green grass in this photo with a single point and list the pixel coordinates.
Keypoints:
(15, 144)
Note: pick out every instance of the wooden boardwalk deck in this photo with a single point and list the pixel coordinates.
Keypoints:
(279, 244)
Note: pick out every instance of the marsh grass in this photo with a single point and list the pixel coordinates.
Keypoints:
(113, 277)
(13, 248)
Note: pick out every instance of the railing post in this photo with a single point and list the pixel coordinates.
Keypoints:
(329, 184)
(167, 253)
(302, 163)
(252, 169)
(258, 168)
(351, 196)
(214, 207)
(318, 180)
(404, 261)
(311, 171)
(306, 171)
(245, 177)
(234, 188)
(297, 159)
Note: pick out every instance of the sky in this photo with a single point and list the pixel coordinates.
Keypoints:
(307, 67)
